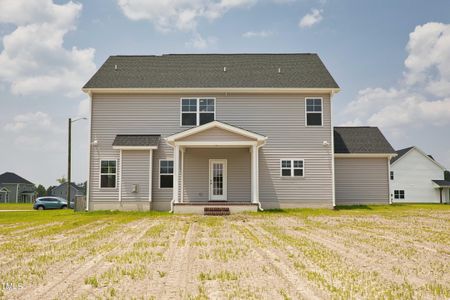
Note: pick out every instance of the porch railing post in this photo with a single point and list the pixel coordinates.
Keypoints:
(176, 160)
(253, 174)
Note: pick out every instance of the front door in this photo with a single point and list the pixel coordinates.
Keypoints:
(217, 179)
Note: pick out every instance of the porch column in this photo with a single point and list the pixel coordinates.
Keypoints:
(176, 160)
(254, 173)
(182, 175)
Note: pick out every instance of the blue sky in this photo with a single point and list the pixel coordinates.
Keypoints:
(389, 57)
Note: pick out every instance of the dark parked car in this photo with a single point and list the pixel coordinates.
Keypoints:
(42, 203)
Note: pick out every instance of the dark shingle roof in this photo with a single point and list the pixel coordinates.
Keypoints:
(136, 140)
(400, 153)
(364, 140)
(9, 177)
(442, 183)
(302, 70)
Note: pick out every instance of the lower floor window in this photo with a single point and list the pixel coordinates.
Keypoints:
(166, 173)
(292, 167)
(108, 173)
(399, 194)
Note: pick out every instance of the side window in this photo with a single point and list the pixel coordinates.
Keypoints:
(399, 194)
(108, 173)
(197, 111)
(292, 167)
(392, 175)
(166, 174)
(314, 111)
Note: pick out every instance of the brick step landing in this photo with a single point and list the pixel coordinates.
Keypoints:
(216, 211)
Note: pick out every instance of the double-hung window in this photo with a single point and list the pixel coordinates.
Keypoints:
(292, 167)
(108, 173)
(314, 111)
(392, 175)
(399, 194)
(197, 111)
(166, 173)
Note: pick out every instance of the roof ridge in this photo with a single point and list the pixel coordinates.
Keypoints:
(199, 54)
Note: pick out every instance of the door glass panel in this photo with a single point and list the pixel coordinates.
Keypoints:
(217, 179)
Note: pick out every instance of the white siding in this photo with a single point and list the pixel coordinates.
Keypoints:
(361, 181)
(414, 173)
(279, 117)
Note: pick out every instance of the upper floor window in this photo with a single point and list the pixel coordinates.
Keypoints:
(108, 173)
(197, 111)
(314, 111)
(292, 167)
(392, 175)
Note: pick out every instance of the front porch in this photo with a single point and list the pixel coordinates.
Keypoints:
(215, 168)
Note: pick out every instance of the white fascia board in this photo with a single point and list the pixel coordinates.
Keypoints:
(215, 124)
(364, 155)
(424, 154)
(216, 144)
(211, 90)
(135, 147)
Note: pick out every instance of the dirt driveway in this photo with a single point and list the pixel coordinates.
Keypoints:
(398, 252)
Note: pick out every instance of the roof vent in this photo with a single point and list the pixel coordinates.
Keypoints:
(115, 67)
(279, 70)
(224, 69)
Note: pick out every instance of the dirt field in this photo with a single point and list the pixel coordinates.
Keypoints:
(375, 252)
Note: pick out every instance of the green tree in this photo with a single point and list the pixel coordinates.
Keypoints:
(41, 191)
(49, 191)
(447, 175)
(62, 180)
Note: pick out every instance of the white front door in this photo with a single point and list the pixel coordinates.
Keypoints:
(217, 179)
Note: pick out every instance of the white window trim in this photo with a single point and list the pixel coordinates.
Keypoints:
(159, 173)
(292, 167)
(306, 111)
(197, 113)
(100, 174)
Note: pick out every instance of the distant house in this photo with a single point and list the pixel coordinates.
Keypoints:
(61, 191)
(15, 189)
(417, 177)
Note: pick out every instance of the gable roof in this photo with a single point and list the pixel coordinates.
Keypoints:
(297, 70)
(402, 152)
(216, 124)
(136, 140)
(9, 177)
(361, 140)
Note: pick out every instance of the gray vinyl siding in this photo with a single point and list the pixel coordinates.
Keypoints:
(280, 117)
(362, 181)
(196, 176)
(135, 171)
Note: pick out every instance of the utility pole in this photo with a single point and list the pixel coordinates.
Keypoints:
(69, 158)
(69, 163)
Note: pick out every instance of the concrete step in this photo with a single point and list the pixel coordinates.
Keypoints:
(216, 211)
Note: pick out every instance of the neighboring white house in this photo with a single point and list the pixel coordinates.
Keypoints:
(417, 177)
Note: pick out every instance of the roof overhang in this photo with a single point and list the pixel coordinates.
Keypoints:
(254, 138)
(255, 90)
(365, 155)
(441, 184)
(424, 154)
(135, 147)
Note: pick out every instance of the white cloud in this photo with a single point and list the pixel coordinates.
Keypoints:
(258, 34)
(423, 97)
(31, 122)
(34, 59)
(198, 42)
(83, 108)
(178, 14)
(312, 18)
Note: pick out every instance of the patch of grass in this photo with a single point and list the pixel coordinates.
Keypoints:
(16, 206)
(220, 276)
(92, 281)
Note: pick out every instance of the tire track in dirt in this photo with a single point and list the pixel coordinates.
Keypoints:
(282, 268)
(72, 277)
(176, 280)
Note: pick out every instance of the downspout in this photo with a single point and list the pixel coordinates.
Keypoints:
(257, 178)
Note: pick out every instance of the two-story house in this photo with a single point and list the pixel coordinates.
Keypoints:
(242, 131)
(16, 189)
